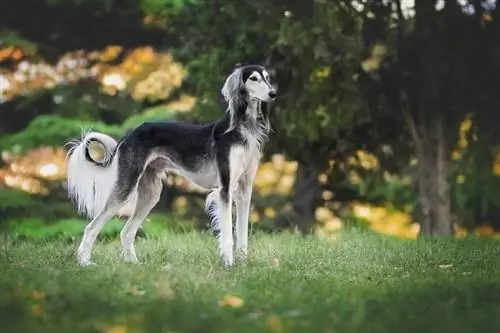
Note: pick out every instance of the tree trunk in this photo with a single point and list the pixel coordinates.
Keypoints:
(432, 155)
(306, 193)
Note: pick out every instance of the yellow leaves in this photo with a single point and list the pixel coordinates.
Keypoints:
(328, 224)
(367, 161)
(231, 301)
(11, 52)
(37, 308)
(24, 172)
(484, 230)
(254, 216)
(147, 73)
(496, 165)
(400, 224)
(480, 231)
(460, 232)
(327, 195)
(463, 142)
(276, 176)
(378, 53)
(142, 55)
(269, 212)
(323, 214)
(110, 53)
(320, 74)
(379, 50)
(385, 221)
(125, 324)
(116, 329)
(370, 65)
(364, 160)
(456, 155)
(460, 179)
(183, 104)
(354, 177)
(274, 324)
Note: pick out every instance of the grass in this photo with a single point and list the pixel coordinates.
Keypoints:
(359, 283)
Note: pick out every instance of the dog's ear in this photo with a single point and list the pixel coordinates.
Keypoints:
(234, 94)
(233, 87)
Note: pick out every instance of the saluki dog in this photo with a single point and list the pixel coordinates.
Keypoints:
(221, 157)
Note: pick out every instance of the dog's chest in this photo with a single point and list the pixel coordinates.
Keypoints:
(244, 157)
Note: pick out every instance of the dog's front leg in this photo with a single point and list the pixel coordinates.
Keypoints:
(242, 211)
(242, 201)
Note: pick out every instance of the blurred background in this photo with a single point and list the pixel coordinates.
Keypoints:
(387, 116)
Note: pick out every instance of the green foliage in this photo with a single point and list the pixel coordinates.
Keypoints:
(359, 283)
(15, 203)
(165, 8)
(311, 46)
(36, 229)
(375, 187)
(474, 188)
(13, 38)
(56, 130)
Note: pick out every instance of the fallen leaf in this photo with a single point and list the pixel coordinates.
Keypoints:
(116, 329)
(37, 295)
(275, 262)
(37, 310)
(136, 291)
(164, 291)
(231, 302)
(274, 323)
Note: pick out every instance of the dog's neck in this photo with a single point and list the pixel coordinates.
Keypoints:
(255, 125)
(253, 108)
(249, 115)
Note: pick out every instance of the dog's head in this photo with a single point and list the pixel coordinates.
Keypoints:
(250, 80)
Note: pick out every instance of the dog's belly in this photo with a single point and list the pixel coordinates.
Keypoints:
(206, 177)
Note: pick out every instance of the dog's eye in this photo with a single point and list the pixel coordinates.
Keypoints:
(253, 78)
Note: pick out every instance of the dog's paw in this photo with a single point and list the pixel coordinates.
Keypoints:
(130, 258)
(241, 256)
(86, 263)
(227, 262)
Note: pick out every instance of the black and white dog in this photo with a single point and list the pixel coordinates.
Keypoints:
(221, 157)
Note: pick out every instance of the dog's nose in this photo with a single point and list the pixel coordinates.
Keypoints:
(272, 93)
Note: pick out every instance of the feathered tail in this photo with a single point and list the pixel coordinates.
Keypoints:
(211, 208)
(92, 172)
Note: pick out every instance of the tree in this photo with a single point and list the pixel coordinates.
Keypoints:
(436, 68)
(312, 49)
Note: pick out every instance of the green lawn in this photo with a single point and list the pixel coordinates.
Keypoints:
(359, 283)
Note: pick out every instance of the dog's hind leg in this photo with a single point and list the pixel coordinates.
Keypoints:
(94, 227)
(125, 184)
(148, 194)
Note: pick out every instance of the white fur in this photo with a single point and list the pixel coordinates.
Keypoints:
(237, 164)
(258, 86)
(91, 185)
(90, 200)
